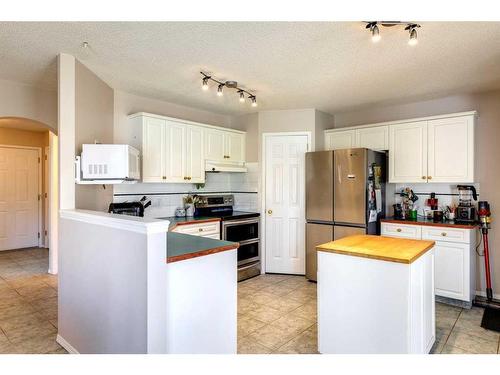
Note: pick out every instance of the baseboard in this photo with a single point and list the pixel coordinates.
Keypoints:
(483, 294)
(66, 345)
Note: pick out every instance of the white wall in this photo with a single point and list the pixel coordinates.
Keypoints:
(94, 106)
(21, 100)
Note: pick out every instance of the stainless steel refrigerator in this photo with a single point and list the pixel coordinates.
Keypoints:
(344, 196)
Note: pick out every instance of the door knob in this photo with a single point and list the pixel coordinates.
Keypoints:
(429, 177)
(270, 212)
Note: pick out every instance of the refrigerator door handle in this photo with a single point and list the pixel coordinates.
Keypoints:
(339, 173)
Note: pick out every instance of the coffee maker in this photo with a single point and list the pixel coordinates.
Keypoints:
(466, 211)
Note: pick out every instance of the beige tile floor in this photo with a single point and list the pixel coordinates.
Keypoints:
(276, 313)
(28, 303)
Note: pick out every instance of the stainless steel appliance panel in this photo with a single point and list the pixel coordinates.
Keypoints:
(319, 186)
(350, 186)
(316, 234)
(341, 231)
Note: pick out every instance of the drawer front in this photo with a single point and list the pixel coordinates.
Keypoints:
(446, 234)
(401, 230)
(203, 229)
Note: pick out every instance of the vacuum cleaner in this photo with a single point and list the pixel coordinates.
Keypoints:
(491, 316)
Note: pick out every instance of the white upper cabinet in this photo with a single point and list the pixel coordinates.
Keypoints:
(153, 154)
(374, 138)
(451, 149)
(174, 151)
(214, 144)
(224, 145)
(195, 161)
(235, 146)
(408, 152)
(437, 149)
(340, 139)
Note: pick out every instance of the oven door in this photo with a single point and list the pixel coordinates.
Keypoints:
(240, 230)
(246, 233)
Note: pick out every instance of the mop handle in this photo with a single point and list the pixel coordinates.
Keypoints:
(489, 292)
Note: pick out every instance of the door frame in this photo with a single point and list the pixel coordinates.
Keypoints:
(265, 136)
(40, 211)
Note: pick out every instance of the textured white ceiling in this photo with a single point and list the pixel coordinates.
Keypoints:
(330, 66)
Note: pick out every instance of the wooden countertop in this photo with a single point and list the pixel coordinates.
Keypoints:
(421, 221)
(184, 246)
(399, 250)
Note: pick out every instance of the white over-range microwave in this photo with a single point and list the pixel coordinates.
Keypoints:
(107, 163)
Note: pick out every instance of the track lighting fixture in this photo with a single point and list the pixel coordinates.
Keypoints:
(375, 32)
(219, 90)
(230, 85)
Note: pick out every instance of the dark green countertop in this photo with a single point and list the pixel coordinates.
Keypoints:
(174, 221)
(185, 246)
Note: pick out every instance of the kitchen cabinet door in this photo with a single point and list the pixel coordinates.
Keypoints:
(234, 146)
(451, 150)
(376, 138)
(195, 159)
(176, 151)
(452, 270)
(408, 152)
(214, 144)
(153, 150)
(338, 140)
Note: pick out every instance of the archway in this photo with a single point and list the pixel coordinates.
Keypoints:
(28, 135)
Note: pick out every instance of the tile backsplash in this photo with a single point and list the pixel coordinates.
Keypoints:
(165, 198)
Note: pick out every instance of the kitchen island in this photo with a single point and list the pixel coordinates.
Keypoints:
(376, 295)
(126, 285)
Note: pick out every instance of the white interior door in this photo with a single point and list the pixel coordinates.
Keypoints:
(285, 203)
(18, 198)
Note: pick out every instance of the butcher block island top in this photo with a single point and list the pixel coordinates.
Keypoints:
(399, 250)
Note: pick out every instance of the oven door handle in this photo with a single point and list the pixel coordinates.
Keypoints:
(247, 266)
(232, 223)
(248, 242)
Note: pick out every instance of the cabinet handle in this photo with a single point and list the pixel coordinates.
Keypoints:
(164, 177)
(200, 230)
(443, 234)
(429, 177)
(185, 178)
(398, 230)
(189, 178)
(423, 177)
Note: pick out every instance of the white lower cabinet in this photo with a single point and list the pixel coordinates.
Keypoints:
(455, 260)
(208, 229)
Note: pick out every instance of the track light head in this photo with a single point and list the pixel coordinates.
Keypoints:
(375, 33)
(219, 90)
(242, 96)
(254, 101)
(413, 37)
(204, 85)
